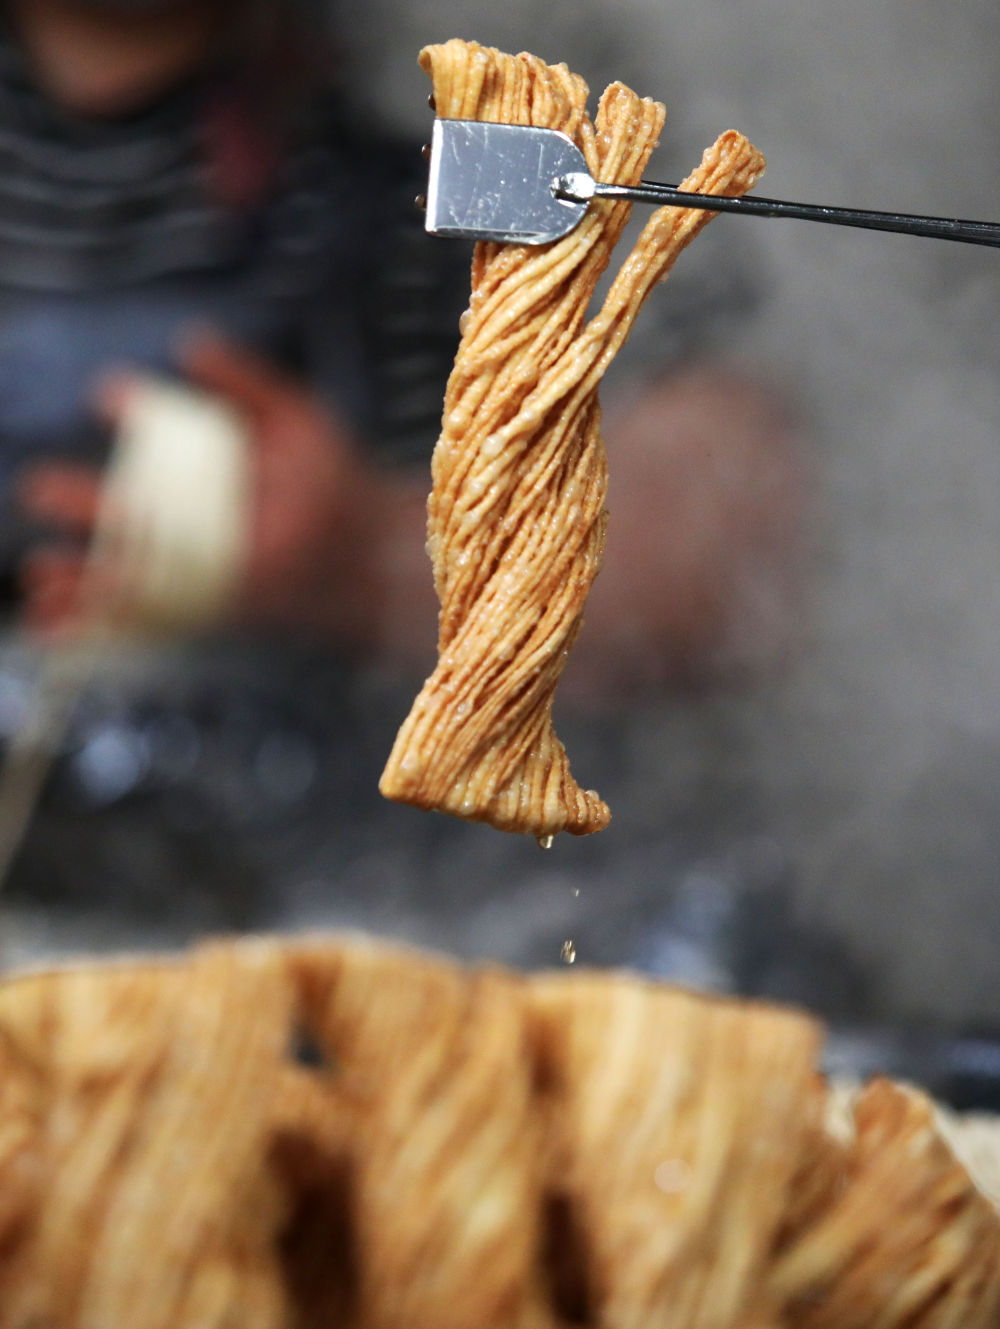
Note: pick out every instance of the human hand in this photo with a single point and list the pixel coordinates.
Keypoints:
(311, 494)
(310, 501)
(64, 497)
(703, 580)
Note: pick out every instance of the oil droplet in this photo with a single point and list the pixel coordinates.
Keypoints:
(576, 892)
(673, 1176)
(545, 841)
(568, 952)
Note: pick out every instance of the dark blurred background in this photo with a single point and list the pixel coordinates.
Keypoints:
(806, 792)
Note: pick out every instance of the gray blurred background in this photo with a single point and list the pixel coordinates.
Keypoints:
(833, 832)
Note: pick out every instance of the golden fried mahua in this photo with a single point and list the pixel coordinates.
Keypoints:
(516, 517)
(340, 1133)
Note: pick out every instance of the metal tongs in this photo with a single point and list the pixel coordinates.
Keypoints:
(529, 186)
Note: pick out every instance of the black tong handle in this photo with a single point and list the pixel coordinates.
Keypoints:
(940, 228)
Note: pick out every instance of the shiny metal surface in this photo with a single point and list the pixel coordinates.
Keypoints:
(494, 182)
(527, 185)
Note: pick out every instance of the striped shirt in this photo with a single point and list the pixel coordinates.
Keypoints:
(112, 240)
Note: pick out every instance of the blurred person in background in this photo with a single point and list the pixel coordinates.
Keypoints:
(185, 194)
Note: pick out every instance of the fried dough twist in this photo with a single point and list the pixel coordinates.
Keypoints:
(461, 1148)
(516, 518)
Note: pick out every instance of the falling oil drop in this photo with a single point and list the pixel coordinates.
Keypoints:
(568, 952)
(545, 841)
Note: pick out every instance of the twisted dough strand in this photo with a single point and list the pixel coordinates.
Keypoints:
(516, 517)
(461, 1149)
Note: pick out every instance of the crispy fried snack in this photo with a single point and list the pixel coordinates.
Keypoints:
(338, 1133)
(686, 1204)
(516, 519)
(932, 1261)
(136, 1184)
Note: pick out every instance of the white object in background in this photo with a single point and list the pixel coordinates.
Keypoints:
(174, 525)
(174, 513)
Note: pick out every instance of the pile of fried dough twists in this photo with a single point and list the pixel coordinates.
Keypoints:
(343, 1135)
(516, 518)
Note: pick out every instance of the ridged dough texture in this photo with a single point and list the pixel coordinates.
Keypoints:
(337, 1134)
(516, 517)
(343, 1135)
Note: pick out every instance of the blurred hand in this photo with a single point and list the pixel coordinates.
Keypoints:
(702, 583)
(65, 497)
(312, 496)
(314, 502)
